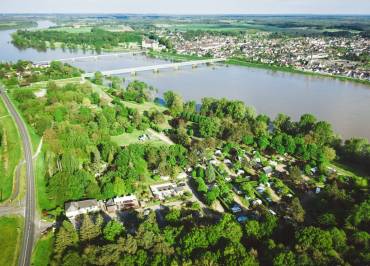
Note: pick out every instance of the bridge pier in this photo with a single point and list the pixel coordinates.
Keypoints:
(156, 70)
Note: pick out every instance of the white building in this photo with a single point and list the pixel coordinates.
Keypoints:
(150, 44)
(167, 190)
(75, 208)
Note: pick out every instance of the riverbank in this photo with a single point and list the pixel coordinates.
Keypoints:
(174, 56)
(241, 62)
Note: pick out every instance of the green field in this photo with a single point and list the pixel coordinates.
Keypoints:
(215, 26)
(10, 238)
(10, 152)
(43, 250)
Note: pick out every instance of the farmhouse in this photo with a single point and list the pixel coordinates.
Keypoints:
(76, 208)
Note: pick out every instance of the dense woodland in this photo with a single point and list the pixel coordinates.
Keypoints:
(329, 228)
(97, 39)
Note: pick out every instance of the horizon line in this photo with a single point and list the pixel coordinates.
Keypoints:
(184, 14)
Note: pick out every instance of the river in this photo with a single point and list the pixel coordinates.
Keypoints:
(346, 105)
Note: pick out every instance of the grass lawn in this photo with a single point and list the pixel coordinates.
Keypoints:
(59, 82)
(42, 252)
(141, 107)
(10, 239)
(43, 202)
(348, 170)
(130, 138)
(10, 153)
(127, 138)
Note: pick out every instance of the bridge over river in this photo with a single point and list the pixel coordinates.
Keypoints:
(134, 70)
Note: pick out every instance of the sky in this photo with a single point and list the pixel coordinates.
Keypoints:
(188, 6)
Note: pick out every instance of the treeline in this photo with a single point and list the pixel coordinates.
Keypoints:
(313, 141)
(180, 239)
(184, 238)
(97, 39)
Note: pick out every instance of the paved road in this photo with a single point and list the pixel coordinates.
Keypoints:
(29, 226)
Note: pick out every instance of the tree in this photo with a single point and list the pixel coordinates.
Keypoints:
(72, 258)
(89, 230)
(361, 214)
(253, 229)
(112, 230)
(128, 245)
(296, 210)
(283, 123)
(327, 219)
(117, 83)
(248, 140)
(173, 216)
(306, 123)
(263, 178)
(174, 102)
(311, 237)
(284, 258)
(202, 187)
(209, 127)
(263, 142)
(98, 78)
(339, 239)
(65, 237)
(295, 174)
(212, 195)
(210, 173)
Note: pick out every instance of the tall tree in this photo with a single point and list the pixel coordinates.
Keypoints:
(89, 230)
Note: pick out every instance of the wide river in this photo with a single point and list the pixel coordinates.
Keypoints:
(346, 105)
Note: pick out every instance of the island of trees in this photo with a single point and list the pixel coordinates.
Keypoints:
(97, 39)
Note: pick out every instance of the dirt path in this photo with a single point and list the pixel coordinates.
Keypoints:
(38, 149)
(161, 136)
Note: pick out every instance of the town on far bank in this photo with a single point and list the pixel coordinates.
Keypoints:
(337, 50)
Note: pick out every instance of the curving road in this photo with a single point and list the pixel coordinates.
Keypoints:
(29, 225)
